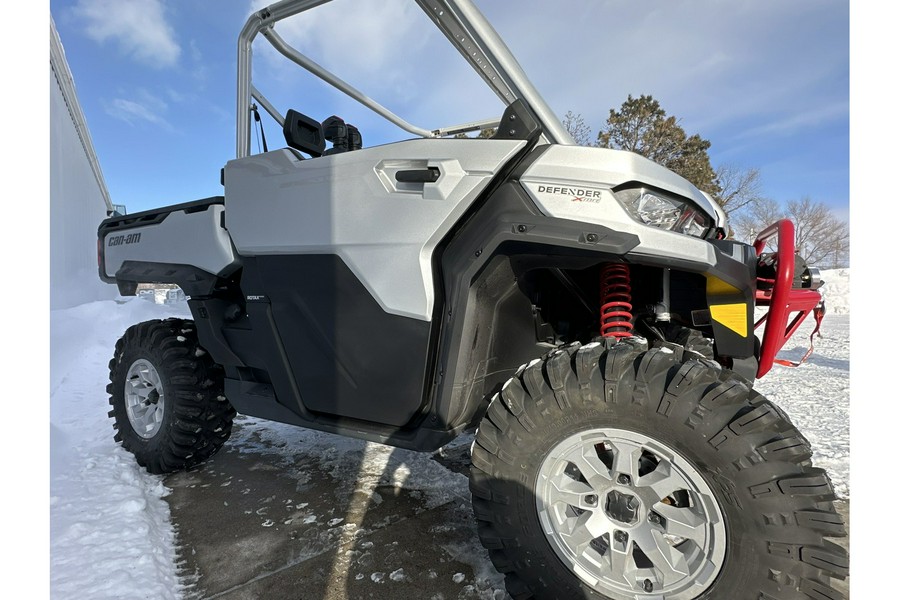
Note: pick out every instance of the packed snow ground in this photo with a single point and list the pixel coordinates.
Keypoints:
(110, 532)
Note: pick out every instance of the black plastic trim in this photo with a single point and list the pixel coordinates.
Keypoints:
(259, 400)
(342, 348)
(517, 123)
(511, 227)
(194, 281)
(156, 215)
(735, 265)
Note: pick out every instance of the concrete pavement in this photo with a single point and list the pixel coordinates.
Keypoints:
(264, 520)
(287, 513)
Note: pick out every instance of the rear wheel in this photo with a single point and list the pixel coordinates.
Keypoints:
(167, 397)
(610, 471)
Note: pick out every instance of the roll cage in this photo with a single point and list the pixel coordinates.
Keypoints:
(461, 23)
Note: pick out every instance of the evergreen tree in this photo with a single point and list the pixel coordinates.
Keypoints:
(641, 126)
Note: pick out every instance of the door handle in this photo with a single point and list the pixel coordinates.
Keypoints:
(429, 175)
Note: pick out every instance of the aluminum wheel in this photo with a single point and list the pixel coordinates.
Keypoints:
(144, 398)
(630, 516)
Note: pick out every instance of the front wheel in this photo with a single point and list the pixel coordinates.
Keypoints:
(610, 471)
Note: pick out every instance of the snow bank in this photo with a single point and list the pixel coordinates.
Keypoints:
(110, 533)
(836, 291)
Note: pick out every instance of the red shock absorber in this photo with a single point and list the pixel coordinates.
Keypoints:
(615, 301)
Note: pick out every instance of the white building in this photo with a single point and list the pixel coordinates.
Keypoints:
(79, 199)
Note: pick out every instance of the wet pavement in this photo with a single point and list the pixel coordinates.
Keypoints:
(282, 512)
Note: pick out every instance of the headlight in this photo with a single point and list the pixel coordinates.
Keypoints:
(653, 208)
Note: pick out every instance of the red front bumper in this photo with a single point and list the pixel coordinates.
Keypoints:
(781, 298)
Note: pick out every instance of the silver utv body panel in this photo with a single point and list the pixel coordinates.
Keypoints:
(194, 238)
(352, 205)
(576, 183)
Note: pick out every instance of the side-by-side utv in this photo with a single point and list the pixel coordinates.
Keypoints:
(581, 307)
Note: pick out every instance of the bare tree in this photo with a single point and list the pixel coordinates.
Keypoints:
(738, 188)
(819, 233)
(577, 128)
(821, 238)
(762, 213)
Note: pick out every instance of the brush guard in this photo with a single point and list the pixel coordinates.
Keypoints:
(783, 299)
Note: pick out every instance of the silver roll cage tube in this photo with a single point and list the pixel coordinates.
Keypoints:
(460, 22)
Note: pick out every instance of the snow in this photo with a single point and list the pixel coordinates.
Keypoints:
(836, 291)
(110, 531)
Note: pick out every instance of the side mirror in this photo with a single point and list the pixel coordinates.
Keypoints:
(304, 133)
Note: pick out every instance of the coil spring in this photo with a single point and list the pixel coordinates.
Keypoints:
(615, 301)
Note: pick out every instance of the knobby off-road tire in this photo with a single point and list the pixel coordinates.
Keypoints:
(168, 405)
(601, 449)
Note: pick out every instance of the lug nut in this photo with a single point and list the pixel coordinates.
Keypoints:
(654, 518)
(590, 500)
(620, 536)
(648, 586)
(624, 479)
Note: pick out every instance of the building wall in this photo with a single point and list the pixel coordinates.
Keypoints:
(78, 198)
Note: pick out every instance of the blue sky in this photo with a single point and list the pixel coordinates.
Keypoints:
(766, 81)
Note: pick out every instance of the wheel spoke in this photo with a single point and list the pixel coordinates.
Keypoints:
(682, 522)
(626, 459)
(592, 468)
(152, 377)
(668, 562)
(147, 415)
(139, 411)
(574, 493)
(663, 480)
(621, 562)
(599, 524)
(137, 387)
(576, 534)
